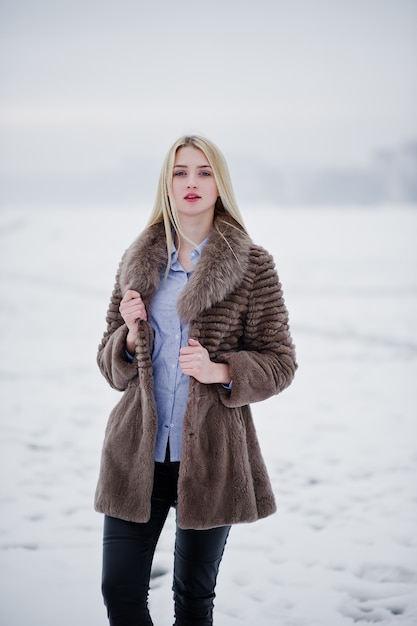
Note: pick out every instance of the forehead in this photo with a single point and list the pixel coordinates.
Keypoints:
(188, 155)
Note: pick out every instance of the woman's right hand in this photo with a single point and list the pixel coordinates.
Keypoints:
(132, 309)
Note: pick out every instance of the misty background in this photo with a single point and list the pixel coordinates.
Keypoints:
(311, 101)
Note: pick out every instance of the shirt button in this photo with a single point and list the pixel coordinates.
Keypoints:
(171, 425)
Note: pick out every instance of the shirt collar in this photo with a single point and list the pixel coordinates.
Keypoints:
(195, 253)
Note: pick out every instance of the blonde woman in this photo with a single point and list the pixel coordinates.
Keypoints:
(197, 330)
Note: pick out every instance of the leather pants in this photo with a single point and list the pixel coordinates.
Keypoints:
(128, 550)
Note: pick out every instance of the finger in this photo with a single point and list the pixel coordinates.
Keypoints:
(193, 345)
(186, 351)
(134, 309)
(131, 294)
(133, 304)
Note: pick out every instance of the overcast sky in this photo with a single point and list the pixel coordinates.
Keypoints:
(90, 85)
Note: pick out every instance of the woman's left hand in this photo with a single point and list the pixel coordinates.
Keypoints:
(195, 361)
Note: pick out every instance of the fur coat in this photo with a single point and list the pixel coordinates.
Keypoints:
(235, 308)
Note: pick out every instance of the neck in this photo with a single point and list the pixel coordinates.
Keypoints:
(194, 232)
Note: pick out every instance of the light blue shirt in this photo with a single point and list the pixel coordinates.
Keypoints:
(170, 334)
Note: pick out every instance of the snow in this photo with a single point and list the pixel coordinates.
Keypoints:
(340, 443)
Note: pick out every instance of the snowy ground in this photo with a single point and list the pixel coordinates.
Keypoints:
(340, 444)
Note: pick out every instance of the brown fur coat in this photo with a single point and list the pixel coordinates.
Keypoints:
(235, 308)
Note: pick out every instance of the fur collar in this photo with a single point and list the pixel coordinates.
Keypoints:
(220, 269)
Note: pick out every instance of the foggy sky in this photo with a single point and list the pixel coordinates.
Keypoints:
(87, 86)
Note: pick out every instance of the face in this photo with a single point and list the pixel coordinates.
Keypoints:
(194, 187)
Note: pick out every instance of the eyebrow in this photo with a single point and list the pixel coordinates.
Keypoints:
(198, 166)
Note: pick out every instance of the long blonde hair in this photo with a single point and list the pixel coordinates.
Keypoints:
(164, 207)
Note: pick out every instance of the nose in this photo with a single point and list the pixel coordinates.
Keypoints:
(192, 181)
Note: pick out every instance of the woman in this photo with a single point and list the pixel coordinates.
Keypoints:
(197, 329)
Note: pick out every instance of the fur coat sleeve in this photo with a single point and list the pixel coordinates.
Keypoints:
(265, 363)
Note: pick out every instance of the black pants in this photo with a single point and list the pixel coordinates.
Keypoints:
(128, 550)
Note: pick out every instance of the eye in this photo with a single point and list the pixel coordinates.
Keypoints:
(205, 173)
(179, 173)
